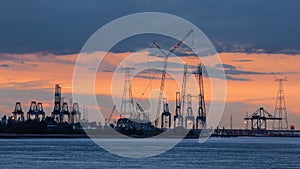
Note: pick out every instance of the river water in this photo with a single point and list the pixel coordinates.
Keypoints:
(243, 152)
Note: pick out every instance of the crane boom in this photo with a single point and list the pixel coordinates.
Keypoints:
(165, 65)
(140, 107)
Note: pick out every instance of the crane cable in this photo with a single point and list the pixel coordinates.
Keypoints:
(150, 82)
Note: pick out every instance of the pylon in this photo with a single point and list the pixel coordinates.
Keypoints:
(280, 108)
(127, 107)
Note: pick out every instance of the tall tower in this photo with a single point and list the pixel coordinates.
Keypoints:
(280, 108)
(183, 95)
(57, 103)
(201, 117)
(127, 99)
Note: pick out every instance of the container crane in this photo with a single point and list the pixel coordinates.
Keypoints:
(180, 101)
(165, 65)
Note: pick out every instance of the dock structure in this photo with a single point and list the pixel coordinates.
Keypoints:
(18, 113)
(178, 117)
(57, 103)
(166, 115)
(259, 119)
(189, 118)
(65, 113)
(32, 110)
(75, 113)
(40, 112)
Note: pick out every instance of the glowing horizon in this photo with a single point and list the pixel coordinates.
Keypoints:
(250, 81)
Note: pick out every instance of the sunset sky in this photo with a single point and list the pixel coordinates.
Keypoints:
(257, 41)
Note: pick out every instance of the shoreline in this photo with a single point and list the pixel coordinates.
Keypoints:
(74, 136)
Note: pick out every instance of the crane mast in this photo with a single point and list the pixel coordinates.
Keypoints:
(183, 89)
(201, 110)
(165, 65)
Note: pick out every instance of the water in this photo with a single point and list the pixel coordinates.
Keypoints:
(215, 153)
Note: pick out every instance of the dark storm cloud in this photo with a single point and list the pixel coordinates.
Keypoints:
(232, 70)
(225, 66)
(243, 72)
(37, 57)
(62, 27)
(237, 79)
(5, 65)
(229, 70)
(152, 73)
(243, 60)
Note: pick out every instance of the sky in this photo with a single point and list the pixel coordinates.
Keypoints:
(256, 40)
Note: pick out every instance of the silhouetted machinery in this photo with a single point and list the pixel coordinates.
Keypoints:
(189, 118)
(18, 114)
(280, 108)
(166, 115)
(36, 110)
(201, 117)
(57, 104)
(64, 112)
(259, 119)
(182, 103)
(178, 117)
(184, 106)
(75, 113)
(32, 110)
(164, 70)
(40, 112)
(37, 113)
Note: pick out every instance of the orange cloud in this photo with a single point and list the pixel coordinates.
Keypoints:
(40, 71)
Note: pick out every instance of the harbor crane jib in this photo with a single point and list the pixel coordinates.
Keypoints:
(165, 65)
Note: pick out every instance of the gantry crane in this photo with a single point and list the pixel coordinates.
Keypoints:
(164, 71)
(32, 110)
(259, 119)
(40, 112)
(180, 102)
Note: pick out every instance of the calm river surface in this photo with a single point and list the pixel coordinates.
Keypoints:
(244, 152)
